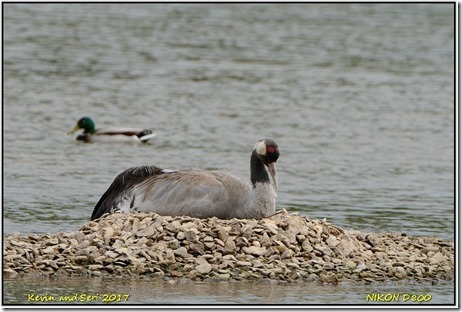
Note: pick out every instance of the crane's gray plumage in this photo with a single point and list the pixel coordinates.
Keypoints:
(196, 193)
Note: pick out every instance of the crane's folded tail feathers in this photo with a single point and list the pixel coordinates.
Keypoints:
(122, 184)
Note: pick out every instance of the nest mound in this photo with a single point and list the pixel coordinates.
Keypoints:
(284, 246)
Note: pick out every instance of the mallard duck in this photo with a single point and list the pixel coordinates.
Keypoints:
(91, 134)
(196, 193)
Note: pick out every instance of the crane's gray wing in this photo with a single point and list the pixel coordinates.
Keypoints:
(198, 194)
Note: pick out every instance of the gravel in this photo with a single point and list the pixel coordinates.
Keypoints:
(285, 247)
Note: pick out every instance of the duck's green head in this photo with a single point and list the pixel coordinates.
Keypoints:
(84, 123)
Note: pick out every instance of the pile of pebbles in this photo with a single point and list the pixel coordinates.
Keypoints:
(285, 247)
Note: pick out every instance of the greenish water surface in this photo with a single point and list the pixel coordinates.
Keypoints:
(359, 97)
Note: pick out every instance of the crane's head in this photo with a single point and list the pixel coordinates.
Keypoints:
(268, 151)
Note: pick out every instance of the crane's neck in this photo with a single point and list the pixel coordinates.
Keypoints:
(258, 172)
(262, 201)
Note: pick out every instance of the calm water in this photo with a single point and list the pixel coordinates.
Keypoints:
(135, 291)
(359, 97)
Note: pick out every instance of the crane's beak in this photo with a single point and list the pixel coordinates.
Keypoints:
(272, 170)
(76, 128)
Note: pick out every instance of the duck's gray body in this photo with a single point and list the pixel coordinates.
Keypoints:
(117, 135)
(201, 194)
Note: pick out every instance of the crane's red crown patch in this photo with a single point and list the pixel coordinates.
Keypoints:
(272, 149)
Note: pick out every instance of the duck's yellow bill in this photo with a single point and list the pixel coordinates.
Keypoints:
(76, 128)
